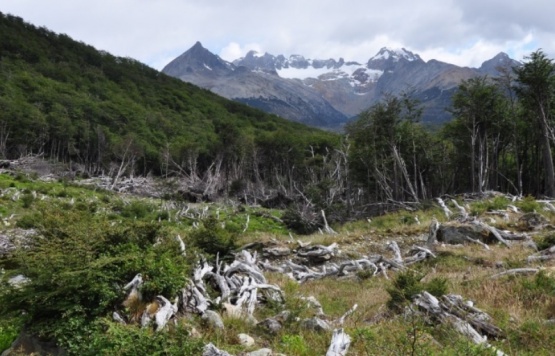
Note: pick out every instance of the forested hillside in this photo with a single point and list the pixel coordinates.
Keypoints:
(67, 101)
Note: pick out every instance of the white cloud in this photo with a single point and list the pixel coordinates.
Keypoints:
(234, 50)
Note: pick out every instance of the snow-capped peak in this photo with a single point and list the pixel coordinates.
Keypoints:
(395, 54)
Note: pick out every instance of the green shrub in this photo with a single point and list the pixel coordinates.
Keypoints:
(136, 210)
(496, 203)
(214, 239)
(546, 242)
(29, 221)
(408, 284)
(62, 193)
(110, 338)
(295, 345)
(542, 285)
(27, 200)
(529, 204)
(163, 215)
(9, 330)
(78, 265)
(301, 219)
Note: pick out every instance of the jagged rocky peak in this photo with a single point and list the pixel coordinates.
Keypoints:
(298, 61)
(257, 61)
(196, 59)
(501, 59)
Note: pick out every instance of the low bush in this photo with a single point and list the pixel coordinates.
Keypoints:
(110, 338)
(214, 239)
(78, 265)
(408, 284)
(136, 210)
(546, 242)
(529, 204)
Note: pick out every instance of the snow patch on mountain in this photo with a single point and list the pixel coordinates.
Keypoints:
(357, 74)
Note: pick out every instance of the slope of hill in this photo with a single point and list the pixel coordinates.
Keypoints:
(66, 100)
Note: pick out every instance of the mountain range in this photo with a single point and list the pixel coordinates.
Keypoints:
(328, 93)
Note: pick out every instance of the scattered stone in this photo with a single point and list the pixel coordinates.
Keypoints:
(271, 325)
(213, 319)
(316, 324)
(261, 352)
(18, 281)
(211, 350)
(195, 334)
(15, 238)
(245, 340)
(232, 311)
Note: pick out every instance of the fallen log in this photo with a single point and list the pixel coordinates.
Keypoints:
(494, 232)
(462, 316)
(515, 271)
(543, 255)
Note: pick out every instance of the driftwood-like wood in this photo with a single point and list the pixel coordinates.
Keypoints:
(543, 255)
(340, 343)
(493, 231)
(165, 312)
(432, 234)
(376, 264)
(515, 271)
(462, 211)
(446, 210)
(459, 314)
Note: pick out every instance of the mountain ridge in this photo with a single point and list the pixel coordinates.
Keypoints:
(348, 87)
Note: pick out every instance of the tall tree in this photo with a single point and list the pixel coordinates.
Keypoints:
(477, 105)
(384, 139)
(536, 89)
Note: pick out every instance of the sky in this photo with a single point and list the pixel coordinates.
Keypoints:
(462, 32)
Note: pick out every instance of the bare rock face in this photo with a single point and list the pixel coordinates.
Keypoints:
(260, 88)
